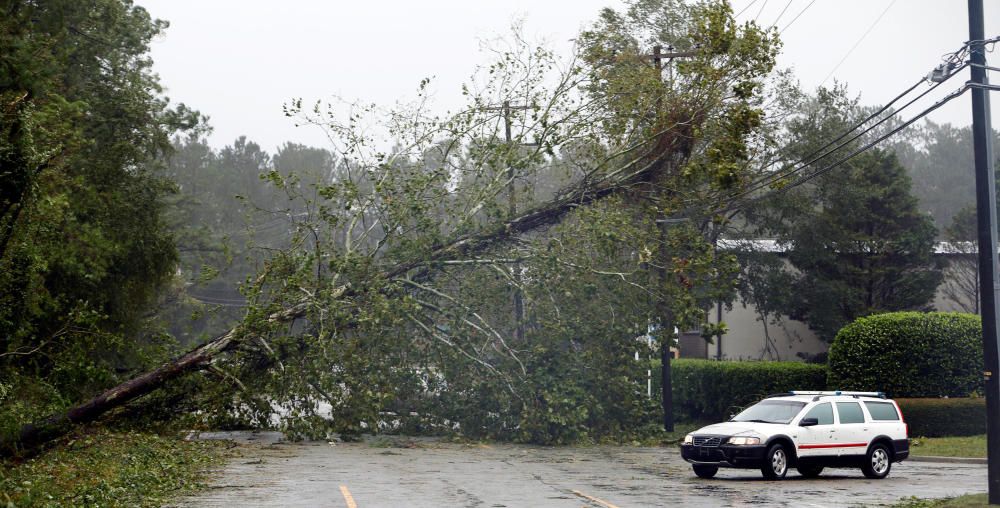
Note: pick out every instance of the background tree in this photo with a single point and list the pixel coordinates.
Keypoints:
(939, 160)
(855, 236)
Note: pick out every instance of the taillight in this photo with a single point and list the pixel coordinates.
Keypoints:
(902, 419)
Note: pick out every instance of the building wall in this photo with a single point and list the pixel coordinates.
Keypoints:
(750, 338)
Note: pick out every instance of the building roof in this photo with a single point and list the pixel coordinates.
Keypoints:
(777, 247)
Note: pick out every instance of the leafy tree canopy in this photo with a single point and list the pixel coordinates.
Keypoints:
(83, 247)
(856, 238)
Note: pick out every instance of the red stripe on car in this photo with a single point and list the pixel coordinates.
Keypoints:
(837, 445)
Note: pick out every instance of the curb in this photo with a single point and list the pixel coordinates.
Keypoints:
(946, 460)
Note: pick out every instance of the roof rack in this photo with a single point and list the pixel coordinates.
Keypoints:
(819, 394)
(781, 394)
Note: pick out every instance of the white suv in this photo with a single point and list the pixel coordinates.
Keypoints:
(805, 430)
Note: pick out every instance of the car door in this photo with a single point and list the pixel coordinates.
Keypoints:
(817, 440)
(851, 433)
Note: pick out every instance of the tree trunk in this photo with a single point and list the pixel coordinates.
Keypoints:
(35, 434)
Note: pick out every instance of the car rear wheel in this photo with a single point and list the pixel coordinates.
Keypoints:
(878, 462)
(775, 462)
(704, 471)
(809, 471)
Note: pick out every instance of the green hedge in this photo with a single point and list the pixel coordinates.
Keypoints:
(712, 390)
(944, 417)
(909, 354)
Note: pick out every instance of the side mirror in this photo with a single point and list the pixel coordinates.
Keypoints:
(735, 410)
(808, 422)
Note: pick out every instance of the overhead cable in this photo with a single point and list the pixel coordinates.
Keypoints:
(782, 13)
(749, 5)
(771, 178)
(796, 17)
(856, 44)
(855, 153)
(814, 157)
(760, 11)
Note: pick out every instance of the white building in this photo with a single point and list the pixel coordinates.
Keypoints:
(749, 337)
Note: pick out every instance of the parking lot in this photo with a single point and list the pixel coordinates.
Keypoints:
(399, 472)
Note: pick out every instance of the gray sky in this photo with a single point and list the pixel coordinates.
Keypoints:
(239, 60)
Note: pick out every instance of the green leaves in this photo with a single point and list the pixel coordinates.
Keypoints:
(83, 247)
(909, 354)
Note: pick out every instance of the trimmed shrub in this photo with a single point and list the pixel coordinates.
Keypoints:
(944, 417)
(909, 354)
(712, 390)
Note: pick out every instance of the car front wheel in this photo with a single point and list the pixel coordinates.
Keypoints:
(775, 462)
(877, 462)
(704, 471)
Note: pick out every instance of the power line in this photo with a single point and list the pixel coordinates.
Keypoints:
(812, 158)
(856, 44)
(855, 153)
(816, 155)
(806, 161)
(218, 301)
(782, 13)
(760, 11)
(803, 11)
(749, 5)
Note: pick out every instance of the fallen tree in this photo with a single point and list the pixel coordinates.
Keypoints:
(390, 220)
(35, 434)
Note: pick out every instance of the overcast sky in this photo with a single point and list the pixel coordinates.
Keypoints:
(239, 60)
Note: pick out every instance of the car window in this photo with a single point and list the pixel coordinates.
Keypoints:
(823, 414)
(850, 412)
(882, 411)
(771, 411)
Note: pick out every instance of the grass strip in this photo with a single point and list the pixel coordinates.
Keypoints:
(957, 446)
(966, 501)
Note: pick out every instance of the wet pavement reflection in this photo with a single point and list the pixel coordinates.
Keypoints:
(396, 472)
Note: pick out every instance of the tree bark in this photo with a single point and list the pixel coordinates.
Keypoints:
(33, 435)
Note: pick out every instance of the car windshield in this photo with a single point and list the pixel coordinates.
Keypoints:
(770, 411)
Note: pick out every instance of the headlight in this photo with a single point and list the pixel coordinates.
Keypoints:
(739, 440)
(688, 439)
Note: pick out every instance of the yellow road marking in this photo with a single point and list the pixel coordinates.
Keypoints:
(347, 497)
(594, 499)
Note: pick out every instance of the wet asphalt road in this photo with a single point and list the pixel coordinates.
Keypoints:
(398, 473)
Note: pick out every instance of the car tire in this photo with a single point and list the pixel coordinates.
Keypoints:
(775, 462)
(878, 462)
(809, 471)
(705, 471)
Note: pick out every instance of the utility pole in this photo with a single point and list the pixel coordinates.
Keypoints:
(986, 214)
(505, 110)
(666, 321)
(666, 324)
